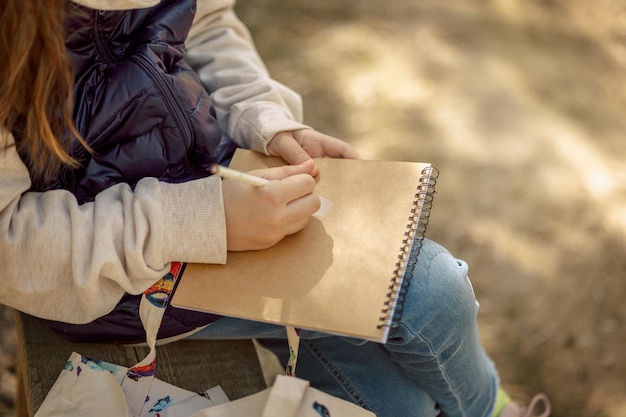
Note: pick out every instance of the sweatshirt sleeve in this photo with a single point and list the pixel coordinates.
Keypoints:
(72, 263)
(251, 107)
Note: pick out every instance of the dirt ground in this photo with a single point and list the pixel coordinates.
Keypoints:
(521, 105)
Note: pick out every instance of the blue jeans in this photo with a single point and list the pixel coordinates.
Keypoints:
(432, 364)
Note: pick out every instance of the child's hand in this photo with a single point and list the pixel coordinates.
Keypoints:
(301, 145)
(259, 217)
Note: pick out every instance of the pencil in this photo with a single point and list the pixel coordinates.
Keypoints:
(236, 175)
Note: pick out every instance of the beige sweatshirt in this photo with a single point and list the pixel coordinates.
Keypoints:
(72, 263)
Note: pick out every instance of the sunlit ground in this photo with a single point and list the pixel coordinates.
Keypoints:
(521, 106)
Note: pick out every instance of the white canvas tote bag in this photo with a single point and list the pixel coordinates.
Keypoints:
(88, 387)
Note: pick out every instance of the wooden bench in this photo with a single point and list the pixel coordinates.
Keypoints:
(195, 365)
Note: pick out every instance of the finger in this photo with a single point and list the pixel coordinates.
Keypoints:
(318, 144)
(300, 212)
(305, 206)
(343, 150)
(278, 173)
(336, 148)
(285, 145)
(291, 188)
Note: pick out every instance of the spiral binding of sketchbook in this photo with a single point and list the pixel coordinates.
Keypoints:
(411, 247)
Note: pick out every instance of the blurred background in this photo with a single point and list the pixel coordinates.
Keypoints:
(521, 105)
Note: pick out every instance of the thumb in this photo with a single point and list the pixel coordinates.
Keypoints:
(279, 173)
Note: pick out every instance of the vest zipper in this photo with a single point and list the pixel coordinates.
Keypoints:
(104, 51)
(169, 97)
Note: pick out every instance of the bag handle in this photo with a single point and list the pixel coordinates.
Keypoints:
(285, 397)
(293, 339)
(138, 380)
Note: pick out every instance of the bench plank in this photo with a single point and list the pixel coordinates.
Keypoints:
(195, 365)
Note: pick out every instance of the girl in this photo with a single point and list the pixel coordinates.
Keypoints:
(111, 112)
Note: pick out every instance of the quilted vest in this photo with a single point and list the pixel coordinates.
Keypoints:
(145, 113)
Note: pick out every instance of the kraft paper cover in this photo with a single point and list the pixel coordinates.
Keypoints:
(332, 276)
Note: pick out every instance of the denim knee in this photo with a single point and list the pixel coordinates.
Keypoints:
(440, 297)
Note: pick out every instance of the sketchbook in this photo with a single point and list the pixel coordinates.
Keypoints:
(346, 272)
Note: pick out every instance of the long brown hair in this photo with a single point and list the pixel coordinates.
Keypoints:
(36, 82)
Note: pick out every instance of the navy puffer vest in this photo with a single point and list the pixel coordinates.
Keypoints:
(145, 113)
